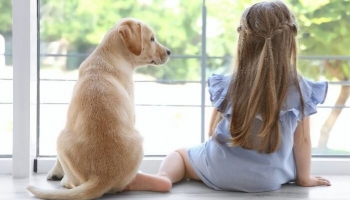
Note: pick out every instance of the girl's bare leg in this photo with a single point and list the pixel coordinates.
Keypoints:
(174, 168)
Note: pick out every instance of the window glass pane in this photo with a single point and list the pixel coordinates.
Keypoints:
(324, 55)
(69, 32)
(152, 93)
(179, 69)
(5, 129)
(166, 128)
(177, 25)
(52, 120)
(330, 139)
(329, 127)
(56, 91)
(6, 76)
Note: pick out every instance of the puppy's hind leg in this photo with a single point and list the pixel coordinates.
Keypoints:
(56, 173)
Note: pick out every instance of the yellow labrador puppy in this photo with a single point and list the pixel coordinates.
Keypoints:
(99, 150)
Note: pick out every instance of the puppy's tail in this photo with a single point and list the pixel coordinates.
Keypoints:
(91, 189)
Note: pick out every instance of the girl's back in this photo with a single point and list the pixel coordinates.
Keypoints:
(234, 168)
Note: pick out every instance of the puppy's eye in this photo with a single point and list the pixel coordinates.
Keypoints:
(152, 39)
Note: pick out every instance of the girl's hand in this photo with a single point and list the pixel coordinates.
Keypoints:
(314, 181)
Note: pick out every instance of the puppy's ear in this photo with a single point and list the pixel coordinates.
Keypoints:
(131, 34)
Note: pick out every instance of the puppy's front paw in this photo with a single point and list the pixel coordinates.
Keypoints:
(55, 175)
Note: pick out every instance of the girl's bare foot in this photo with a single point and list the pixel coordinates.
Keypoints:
(148, 182)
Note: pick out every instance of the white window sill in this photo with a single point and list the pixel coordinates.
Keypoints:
(319, 166)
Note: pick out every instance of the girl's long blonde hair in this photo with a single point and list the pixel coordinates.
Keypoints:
(265, 68)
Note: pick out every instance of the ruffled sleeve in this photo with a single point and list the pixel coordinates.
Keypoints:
(313, 93)
(316, 96)
(217, 86)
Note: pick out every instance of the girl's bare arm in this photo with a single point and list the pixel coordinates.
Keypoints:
(215, 116)
(302, 156)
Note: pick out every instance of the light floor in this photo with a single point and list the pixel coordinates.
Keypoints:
(340, 190)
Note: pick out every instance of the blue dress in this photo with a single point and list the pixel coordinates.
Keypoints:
(233, 168)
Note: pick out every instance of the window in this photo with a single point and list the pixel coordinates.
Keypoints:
(70, 30)
(6, 77)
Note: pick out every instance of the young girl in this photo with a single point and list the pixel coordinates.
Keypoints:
(260, 125)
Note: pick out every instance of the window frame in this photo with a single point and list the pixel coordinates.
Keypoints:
(24, 30)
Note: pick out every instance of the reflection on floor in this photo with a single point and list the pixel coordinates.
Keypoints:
(190, 190)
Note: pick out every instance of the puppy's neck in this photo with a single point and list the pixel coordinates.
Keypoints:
(111, 57)
(113, 46)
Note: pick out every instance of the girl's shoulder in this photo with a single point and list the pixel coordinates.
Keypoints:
(218, 86)
(312, 94)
